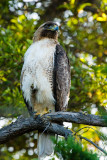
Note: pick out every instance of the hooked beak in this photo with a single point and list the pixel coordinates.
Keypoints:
(53, 28)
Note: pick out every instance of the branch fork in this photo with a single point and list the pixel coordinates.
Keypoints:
(48, 123)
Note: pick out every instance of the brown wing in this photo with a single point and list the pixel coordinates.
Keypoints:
(62, 79)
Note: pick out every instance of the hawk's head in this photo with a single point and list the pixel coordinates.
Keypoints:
(47, 30)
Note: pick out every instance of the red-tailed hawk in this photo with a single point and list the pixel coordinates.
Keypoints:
(45, 78)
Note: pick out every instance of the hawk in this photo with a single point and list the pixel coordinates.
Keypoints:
(45, 78)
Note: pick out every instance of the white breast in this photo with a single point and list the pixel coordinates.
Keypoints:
(38, 69)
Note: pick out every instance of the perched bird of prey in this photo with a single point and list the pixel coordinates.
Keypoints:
(45, 78)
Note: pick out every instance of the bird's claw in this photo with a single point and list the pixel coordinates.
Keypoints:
(35, 114)
(84, 112)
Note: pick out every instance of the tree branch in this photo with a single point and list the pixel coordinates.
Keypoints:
(88, 140)
(78, 117)
(24, 125)
(46, 123)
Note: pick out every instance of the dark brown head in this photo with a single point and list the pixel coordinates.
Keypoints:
(47, 30)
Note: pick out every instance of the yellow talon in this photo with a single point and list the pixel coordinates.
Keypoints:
(44, 111)
(84, 112)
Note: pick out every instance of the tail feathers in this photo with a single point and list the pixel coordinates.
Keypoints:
(45, 146)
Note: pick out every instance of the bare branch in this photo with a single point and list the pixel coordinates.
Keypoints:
(24, 125)
(88, 140)
(78, 117)
(48, 123)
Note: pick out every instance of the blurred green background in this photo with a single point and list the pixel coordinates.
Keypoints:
(83, 34)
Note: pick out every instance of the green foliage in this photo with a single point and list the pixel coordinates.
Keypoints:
(83, 35)
(69, 149)
(14, 44)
